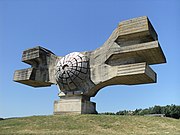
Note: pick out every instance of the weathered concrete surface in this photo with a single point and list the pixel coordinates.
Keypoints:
(42, 71)
(74, 105)
(123, 59)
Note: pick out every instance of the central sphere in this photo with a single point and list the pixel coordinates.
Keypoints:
(71, 71)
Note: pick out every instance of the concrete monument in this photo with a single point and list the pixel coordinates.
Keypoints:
(124, 59)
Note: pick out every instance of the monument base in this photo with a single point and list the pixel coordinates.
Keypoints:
(74, 105)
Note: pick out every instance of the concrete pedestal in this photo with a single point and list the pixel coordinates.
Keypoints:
(74, 105)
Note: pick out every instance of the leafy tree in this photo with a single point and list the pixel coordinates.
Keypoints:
(137, 112)
(156, 110)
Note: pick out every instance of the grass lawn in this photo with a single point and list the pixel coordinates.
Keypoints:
(90, 125)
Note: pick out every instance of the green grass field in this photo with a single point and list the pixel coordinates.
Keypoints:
(90, 125)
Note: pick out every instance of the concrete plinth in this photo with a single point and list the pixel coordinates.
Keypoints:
(74, 105)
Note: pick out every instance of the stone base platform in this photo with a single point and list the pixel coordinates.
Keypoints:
(74, 105)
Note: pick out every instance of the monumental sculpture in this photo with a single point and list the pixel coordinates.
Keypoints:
(123, 59)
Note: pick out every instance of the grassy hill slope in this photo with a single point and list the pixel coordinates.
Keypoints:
(91, 125)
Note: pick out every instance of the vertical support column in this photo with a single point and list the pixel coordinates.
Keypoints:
(75, 104)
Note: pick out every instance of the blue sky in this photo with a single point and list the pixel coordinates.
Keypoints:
(65, 26)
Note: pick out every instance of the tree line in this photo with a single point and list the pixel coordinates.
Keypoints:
(172, 111)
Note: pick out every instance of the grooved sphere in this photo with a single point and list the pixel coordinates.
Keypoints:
(71, 71)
